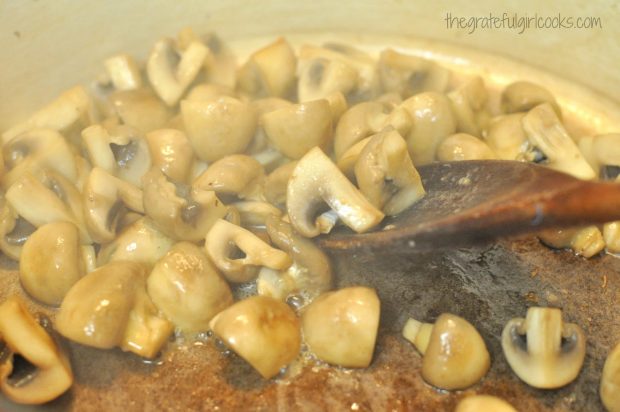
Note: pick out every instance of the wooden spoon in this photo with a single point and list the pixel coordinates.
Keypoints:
(479, 200)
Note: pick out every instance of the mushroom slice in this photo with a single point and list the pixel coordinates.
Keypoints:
(110, 307)
(172, 153)
(36, 150)
(317, 180)
(523, 96)
(181, 212)
(586, 241)
(24, 336)
(206, 92)
(238, 175)
(364, 120)
(255, 213)
(341, 327)
(262, 330)
(224, 238)
(219, 127)
(310, 274)
(71, 110)
(187, 288)
(14, 230)
(468, 103)
(269, 71)
(52, 260)
(52, 198)
(455, 355)
(350, 71)
(140, 242)
(320, 77)
(603, 153)
(171, 71)
(220, 63)
(506, 137)
(463, 146)
(140, 108)
(611, 236)
(483, 403)
(276, 182)
(386, 175)
(123, 72)
(610, 381)
(542, 350)
(433, 120)
(106, 199)
(546, 132)
(119, 150)
(408, 75)
(298, 128)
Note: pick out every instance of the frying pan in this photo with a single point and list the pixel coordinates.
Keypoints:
(47, 47)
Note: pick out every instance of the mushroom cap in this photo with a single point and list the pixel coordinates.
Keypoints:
(483, 403)
(341, 327)
(187, 288)
(51, 262)
(543, 351)
(456, 356)
(262, 330)
(610, 381)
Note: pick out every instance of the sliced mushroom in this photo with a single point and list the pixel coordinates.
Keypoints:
(317, 180)
(110, 307)
(319, 77)
(610, 381)
(73, 109)
(296, 129)
(172, 153)
(106, 199)
(52, 260)
(341, 327)
(179, 211)
(310, 274)
(219, 127)
(336, 68)
(36, 150)
(602, 153)
(206, 92)
(225, 238)
(523, 96)
(386, 175)
(50, 198)
(542, 350)
(262, 330)
(586, 241)
(238, 175)
(123, 72)
(455, 355)
(269, 71)
(14, 230)
(483, 403)
(468, 103)
(611, 236)
(276, 182)
(23, 336)
(255, 213)
(120, 151)
(140, 108)
(171, 70)
(463, 146)
(364, 120)
(140, 242)
(506, 137)
(546, 132)
(408, 75)
(187, 288)
(433, 120)
(220, 63)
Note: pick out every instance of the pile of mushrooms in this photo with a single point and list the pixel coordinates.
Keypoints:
(137, 211)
